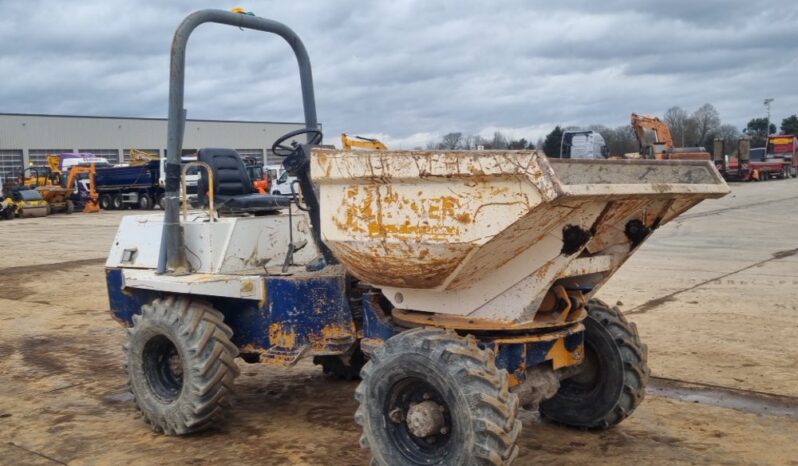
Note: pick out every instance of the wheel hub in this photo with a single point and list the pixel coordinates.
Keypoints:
(425, 419)
(163, 368)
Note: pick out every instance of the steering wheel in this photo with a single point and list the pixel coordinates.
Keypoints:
(283, 150)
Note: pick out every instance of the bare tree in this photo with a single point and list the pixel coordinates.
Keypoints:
(451, 141)
(730, 135)
(707, 122)
(499, 141)
(620, 140)
(680, 124)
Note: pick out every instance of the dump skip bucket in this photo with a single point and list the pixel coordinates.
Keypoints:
(488, 233)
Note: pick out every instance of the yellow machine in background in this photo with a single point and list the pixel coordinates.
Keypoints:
(47, 181)
(348, 143)
(140, 157)
(24, 203)
(661, 147)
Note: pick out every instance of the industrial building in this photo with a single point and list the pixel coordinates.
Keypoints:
(26, 139)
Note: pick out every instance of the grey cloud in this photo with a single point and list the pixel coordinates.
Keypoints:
(405, 69)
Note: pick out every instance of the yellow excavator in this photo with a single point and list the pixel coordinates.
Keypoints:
(349, 143)
(140, 157)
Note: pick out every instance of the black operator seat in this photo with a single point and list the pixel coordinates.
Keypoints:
(233, 190)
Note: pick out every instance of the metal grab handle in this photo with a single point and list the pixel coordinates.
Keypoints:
(184, 190)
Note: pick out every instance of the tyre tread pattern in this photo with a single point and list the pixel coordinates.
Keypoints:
(634, 354)
(210, 359)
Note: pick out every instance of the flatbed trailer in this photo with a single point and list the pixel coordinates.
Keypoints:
(749, 164)
(784, 146)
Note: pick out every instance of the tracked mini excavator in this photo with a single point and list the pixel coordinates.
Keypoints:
(457, 285)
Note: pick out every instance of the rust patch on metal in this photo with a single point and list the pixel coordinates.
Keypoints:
(281, 337)
(392, 265)
(331, 336)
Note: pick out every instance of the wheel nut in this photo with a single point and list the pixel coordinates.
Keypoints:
(396, 416)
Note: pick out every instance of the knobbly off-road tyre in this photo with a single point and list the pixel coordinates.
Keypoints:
(181, 365)
(614, 379)
(432, 364)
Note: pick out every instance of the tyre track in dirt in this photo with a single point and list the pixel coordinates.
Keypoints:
(707, 213)
(51, 267)
(656, 302)
(750, 401)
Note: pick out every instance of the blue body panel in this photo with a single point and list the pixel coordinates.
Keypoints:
(307, 314)
(310, 315)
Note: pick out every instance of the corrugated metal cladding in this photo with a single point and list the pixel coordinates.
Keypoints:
(113, 135)
(10, 164)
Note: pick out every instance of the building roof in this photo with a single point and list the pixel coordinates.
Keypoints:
(147, 118)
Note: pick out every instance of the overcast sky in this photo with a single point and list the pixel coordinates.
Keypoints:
(409, 71)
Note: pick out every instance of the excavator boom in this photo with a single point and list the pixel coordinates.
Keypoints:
(662, 146)
(348, 143)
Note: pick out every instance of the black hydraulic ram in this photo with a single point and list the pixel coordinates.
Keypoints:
(173, 256)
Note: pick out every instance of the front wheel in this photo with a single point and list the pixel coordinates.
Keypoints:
(180, 365)
(431, 397)
(612, 382)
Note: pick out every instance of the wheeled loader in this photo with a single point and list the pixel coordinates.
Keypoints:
(459, 286)
(48, 184)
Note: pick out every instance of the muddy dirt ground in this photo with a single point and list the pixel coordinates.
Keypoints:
(714, 294)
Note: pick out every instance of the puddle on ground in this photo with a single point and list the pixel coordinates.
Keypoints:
(740, 400)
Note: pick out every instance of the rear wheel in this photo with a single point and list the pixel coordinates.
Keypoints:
(180, 365)
(431, 397)
(106, 202)
(145, 202)
(613, 378)
(116, 201)
(70, 206)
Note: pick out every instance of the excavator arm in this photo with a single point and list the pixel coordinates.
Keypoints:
(362, 143)
(140, 157)
(662, 133)
(92, 204)
(662, 146)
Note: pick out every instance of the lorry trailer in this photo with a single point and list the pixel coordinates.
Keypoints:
(129, 186)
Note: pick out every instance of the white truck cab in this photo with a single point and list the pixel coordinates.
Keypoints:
(583, 145)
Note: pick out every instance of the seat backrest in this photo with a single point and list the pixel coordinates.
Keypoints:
(230, 177)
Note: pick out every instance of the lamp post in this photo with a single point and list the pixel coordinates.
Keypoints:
(767, 121)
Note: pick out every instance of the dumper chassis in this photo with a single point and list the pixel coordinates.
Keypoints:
(457, 285)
